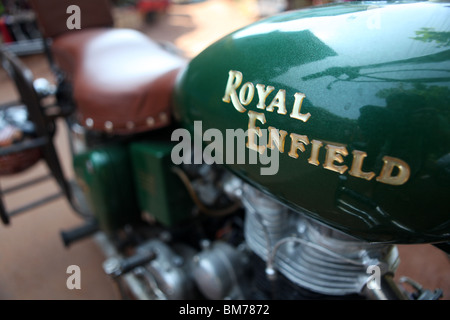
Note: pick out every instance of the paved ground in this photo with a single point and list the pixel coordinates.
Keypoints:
(33, 260)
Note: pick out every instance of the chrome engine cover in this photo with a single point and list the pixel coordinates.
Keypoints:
(310, 255)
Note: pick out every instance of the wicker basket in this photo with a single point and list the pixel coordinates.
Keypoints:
(17, 161)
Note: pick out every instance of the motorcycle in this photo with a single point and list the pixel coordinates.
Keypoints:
(286, 161)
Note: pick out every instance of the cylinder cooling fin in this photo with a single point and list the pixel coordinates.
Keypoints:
(311, 255)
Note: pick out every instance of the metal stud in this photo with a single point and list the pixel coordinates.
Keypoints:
(150, 121)
(109, 126)
(163, 117)
(89, 123)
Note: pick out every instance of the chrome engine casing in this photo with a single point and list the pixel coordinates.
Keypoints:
(309, 255)
(221, 271)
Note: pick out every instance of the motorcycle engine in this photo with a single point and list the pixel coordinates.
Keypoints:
(258, 249)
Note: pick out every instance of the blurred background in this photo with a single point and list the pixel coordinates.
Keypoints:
(33, 259)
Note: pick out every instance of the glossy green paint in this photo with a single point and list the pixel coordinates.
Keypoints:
(376, 79)
(161, 193)
(105, 175)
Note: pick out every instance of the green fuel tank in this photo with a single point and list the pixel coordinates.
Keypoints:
(355, 100)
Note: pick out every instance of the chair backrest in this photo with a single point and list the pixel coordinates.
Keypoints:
(40, 146)
(52, 15)
(23, 80)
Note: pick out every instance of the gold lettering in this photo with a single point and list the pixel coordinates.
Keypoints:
(278, 101)
(276, 138)
(246, 99)
(252, 130)
(386, 172)
(394, 171)
(262, 94)
(356, 169)
(297, 107)
(335, 153)
(234, 81)
(314, 159)
(298, 142)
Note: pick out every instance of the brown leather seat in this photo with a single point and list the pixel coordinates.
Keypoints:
(122, 80)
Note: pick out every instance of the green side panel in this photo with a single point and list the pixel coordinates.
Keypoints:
(375, 80)
(106, 177)
(161, 193)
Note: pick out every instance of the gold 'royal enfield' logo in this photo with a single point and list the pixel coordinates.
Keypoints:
(241, 96)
